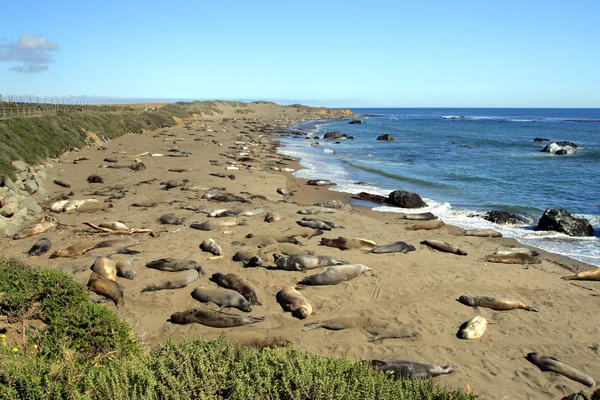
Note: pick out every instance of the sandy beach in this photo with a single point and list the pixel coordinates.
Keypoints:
(414, 291)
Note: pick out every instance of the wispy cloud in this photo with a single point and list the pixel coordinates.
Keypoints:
(31, 51)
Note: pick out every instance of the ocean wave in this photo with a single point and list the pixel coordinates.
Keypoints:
(395, 176)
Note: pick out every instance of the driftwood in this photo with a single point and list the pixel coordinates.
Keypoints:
(121, 231)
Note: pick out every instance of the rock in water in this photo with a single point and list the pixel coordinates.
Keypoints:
(560, 220)
(404, 199)
(503, 217)
(387, 137)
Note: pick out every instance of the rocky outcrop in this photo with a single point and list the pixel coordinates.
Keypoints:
(16, 204)
(560, 148)
(375, 198)
(404, 199)
(387, 137)
(355, 122)
(334, 135)
(560, 220)
(504, 217)
(541, 139)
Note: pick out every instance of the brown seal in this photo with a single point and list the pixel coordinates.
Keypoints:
(512, 258)
(44, 225)
(444, 246)
(345, 243)
(292, 300)
(75, 250)
(482, 233)
(426, 216)
(546, 363)
(95, 179)
(117, 243)
(93, 207)
(494, 303)
(107, 288)
(215, 319)
(224, 298)
(427, 225)
(237, 283)
(403, 369)
(174, 265)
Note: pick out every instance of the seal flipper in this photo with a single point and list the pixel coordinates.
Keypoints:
(311, 326)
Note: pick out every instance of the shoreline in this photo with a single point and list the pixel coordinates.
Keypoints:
(415, 291)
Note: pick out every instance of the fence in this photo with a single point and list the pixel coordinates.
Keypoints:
(22, 111)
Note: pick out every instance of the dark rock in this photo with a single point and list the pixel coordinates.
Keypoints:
(334, 135)
(554, 147)
(561, 152)
(355, 121)
(503, 217)
(404, 199)
(387, 137)
(375, 198)
(316, 138)
(350, 137)
(560, 220)
(541, 139)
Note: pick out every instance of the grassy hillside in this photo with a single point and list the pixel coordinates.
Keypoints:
(82, 351)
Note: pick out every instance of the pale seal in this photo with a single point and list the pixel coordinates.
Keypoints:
(44, 225)
(396, 247)
(547, 363)
(473, 328)
(293, 301)
(494, 303)
(248, 259)
(215, 319)
(224, 298)
(444, 246)
(417, 217)
(210, 246)
(237, 283)
(335, 274)
(592, 275)
(302, 262)
(345, 243)
(402, 369)
(74, 250)
(512, 258)
(482, 233)
(176, 280)
(320, 182)
(40, 247)
(314, 225)
(427, 225)
(124, 268)
(272, 216)
(105, 267)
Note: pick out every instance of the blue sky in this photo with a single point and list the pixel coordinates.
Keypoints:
(380, 53)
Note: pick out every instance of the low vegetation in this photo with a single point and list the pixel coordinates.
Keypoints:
(83, 351)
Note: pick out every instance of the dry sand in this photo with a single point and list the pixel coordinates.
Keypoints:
(417, 290)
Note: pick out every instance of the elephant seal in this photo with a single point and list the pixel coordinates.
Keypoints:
(313, 211)
(444, 246)
(215, 224)
(314, 225)
(170, 219)
(253, 212)
(396, 247)
(335, 274)
(224, 298)
(145, 203)
(105, 267)
(262, 342)
(427, 225)
(272, 216)
(117, 243)
(292, 300)
(225, 213)
(215, 319)
(176, 280)
(124, 268)
(174, 265)
(547, 363)
(139, 166)
(113, 225)
(39, 248)
(248, 259)
(512, 258)
(482, 233)
(320, 182)
(591, 275)
(44, 225)
(345, 243)
(494, 303)
(91, 207)
(302, 262)
(402, 369)
(95, 179)
(330, 223)
(237, 283)
(417, 217)
(61, 183)
(210, 246)
(267, 240)
(107, 288)
(473, 328)
(74, 250)
(380, 329)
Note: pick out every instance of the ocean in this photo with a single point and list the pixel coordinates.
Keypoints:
(464, 162)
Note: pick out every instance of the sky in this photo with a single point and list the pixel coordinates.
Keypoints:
(332, 53)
